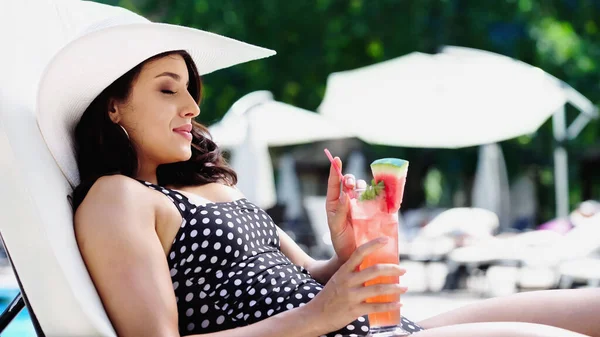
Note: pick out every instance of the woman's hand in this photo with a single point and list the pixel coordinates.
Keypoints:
(342, 300)
(338, 212)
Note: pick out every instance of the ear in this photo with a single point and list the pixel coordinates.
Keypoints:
(114, 112)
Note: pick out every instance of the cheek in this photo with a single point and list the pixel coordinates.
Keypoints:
(155, 140)
(151, 121)
(155, 133)
(152, 118)
(148, 127)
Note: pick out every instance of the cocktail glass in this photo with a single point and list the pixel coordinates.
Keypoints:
(370, 222)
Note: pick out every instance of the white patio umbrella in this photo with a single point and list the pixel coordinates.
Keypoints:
(562, 131)
(276, 123)
(251, 161)
(442, 100)
(490, 188)
(460, 97)
(253, 124)
(288, 188)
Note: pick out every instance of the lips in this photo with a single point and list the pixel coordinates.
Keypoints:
(185, 131)
(185, 127)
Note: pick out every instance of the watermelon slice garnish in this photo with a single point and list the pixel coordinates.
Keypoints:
(392, 173)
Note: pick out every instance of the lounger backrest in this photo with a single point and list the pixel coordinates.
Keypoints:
(35, 215)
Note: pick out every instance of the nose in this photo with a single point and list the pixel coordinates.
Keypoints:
(190, 109)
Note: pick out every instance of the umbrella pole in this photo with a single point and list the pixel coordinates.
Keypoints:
(561, 163)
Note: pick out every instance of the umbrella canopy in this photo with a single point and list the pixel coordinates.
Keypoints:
(253, 124)
(276, 123)
(446, 100)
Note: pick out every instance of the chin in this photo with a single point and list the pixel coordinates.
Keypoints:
(185, 155)
(175, 154)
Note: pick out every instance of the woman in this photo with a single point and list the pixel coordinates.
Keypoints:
(190, 256)
(229, 265)
(172, 247)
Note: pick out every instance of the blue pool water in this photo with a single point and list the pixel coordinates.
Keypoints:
(21, 326)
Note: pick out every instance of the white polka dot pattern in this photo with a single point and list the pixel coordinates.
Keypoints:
(228, 270)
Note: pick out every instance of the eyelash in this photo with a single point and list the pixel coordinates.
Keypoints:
(168, 92)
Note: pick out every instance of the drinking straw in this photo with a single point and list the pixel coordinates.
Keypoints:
(348, 191)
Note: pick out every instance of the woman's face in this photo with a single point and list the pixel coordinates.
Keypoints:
(159, 112)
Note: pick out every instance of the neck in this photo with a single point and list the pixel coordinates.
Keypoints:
(147, 172)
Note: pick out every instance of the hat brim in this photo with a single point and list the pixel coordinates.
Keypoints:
(85, 67)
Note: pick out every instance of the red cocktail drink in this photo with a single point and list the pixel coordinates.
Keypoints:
(370, 223)
(374, 214)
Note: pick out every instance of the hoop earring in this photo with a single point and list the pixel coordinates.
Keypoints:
(126, 134)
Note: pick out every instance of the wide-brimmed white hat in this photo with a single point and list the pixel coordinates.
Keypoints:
(112, 43)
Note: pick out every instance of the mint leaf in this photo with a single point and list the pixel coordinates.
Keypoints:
(372, 191)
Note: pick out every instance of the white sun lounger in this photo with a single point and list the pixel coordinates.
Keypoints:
(37, 229)
(35, 216)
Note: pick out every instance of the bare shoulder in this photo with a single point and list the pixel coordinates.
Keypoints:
(115, 186)
(114, 196)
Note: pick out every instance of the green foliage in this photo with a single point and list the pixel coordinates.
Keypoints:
(433, 187)
(316, 38)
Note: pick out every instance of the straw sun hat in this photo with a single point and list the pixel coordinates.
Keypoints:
(114, 41)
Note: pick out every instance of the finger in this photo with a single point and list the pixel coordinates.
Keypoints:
(363, 251)
(349, 181)
(384, 269)
(361, 184)
(333, 183)
(380, 289)
(338, 216)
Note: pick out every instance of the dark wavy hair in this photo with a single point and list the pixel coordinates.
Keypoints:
(103, 148)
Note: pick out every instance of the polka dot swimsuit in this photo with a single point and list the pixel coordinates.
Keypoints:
(228, 271)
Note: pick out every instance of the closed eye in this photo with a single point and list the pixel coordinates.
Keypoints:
(168, 92)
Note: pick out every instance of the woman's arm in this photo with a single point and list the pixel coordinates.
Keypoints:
(115, 230)
(337, 208)
(320, 270)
